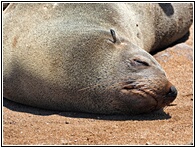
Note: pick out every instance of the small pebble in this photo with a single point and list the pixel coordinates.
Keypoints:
(66, 122)
(191, 143)
(147, 143)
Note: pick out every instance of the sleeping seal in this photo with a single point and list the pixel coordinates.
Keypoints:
(90, 57)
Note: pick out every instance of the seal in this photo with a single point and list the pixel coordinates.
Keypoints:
(90, 57)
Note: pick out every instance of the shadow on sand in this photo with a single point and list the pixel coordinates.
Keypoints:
(158, 115)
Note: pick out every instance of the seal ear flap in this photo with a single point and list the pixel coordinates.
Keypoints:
(116, 39)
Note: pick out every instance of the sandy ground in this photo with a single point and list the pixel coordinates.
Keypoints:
(23, 125)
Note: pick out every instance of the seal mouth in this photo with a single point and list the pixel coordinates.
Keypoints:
(130, 85)
(142, 91)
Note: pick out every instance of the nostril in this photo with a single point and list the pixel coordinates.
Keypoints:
(172, 92)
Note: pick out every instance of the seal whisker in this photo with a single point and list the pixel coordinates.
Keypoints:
(82, 89)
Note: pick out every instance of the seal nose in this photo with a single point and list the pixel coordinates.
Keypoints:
(172, 92)
(170, 95)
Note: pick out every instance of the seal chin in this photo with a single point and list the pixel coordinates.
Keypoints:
(137, 100)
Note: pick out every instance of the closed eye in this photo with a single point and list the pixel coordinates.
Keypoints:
(141, 62)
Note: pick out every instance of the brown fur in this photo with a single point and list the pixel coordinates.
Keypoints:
(64, 57)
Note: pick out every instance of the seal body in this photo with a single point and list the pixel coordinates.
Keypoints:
(66, 56)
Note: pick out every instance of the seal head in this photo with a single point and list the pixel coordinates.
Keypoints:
(141, 85)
